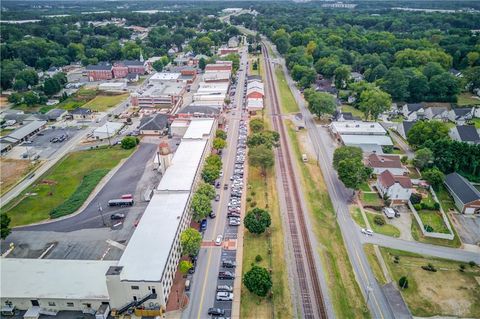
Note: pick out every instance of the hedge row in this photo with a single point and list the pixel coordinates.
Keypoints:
(80, 195)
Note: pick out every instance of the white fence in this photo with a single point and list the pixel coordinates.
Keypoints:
(449, 236)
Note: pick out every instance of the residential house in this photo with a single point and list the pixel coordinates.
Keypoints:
(404, 127)
(357, 77)
(413, 111)
(56, 114)
(99, 72)
(465, 195)
(345, 116)
(233, 42)
(461, 115)
(52, 71)
(394, 187)
(156, 124)
(436, 113)
(465, 133)
(81, 113)
(381, 163)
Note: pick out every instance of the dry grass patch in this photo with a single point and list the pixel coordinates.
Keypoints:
(12, 171)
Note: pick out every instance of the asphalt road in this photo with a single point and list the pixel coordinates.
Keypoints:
(204, 281)
(124, 181)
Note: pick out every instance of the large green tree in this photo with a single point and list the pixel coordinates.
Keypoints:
(346, 152)
(374, 102)
(434, 177)
(423, 131)
(257, 220)
(201, 206)
(353, 173)
(258, 281)
(5, 229)
(261, 156)
(320, 103)
(207, 190)
(342, 76)
(423, 158)
(190, 241)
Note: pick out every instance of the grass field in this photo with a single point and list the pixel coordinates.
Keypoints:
(434, 219)
(371, 198)
(386, 229)
(374, 263)
(4, 132)
(287, 100)
(345, 294)
(263, 191)
(447, 292)
(354, 111)
(357, 216)
(418, 236)
(253, 58)
(59, 183)
(468, 99)
(12, 171)
(102, 103)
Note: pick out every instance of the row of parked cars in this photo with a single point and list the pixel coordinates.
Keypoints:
(224, 291)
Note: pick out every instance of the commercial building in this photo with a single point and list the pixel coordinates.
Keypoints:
(369, 136)
(156, 124)
(107, 130)
(121, 69)
(163, 95)
(161, 77)
(99, 72)
(113, 86)
(20, 135)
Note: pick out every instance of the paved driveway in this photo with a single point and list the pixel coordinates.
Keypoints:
(468, 228)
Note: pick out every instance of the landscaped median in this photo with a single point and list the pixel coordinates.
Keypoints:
(65, 187)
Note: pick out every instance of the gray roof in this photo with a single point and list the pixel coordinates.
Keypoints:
(53, 114)
(413, 107)
(407, 125)
(254, 77)
(99, 67)
(27, 129)
(157, 122)
(132, 76)
(462, 188)
(459, 112)
(81, 110)
(468, 133)
(205, 109)
(131, 62)
(16, 117)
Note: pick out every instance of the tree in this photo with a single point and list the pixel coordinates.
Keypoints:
(202, 64)
(51, 86)
(423, 158)
(184, 266)
(403, 282)
(5, 229)
(158, 65)
(342, 76)
(257, 220)
(15, 98)
(267, 138)
(207, 190)
(29, 76)
(374, 102)
(258, 281)
(210, 173)
(201, 206)
(129, 142)
(353, 173)
(346, 152)
(472, 78)
(396, 84)
(257, 125)
(219, 143)
(423, 131)
(431, 69)
(434, 177)
(190, 241)
(320, 103)
(444, 87)
(221, 134)
(20, 85)
(261, 156)
(30, 98)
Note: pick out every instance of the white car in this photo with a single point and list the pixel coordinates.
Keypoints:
(218, 241)
(224, 296)
(367, 231)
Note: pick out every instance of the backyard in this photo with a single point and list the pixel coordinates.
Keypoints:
(450, 291)
(370, 199)
(354, 111)
(69, 178)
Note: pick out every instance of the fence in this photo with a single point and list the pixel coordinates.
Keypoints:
(449, 236)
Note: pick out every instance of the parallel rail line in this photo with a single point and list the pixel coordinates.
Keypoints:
(306, 270)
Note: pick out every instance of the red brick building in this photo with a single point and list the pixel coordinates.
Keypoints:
(99, 72)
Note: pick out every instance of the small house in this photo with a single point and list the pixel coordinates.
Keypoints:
(56, 114)
(397, 188)
(465, 195)
(461, 115)
(156, 124)
(81, 113)
(380, 163)
(404, 127)
(413, 111)
(465, 133)
(436, 113)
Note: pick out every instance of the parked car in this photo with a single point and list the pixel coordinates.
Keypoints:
(226, 288)
(117, 216)
(217, 197)
(224, 296)
(216, 312)
(219, 240)
(225, 186)
(367, 231)
(229, 264)
(212, 215)
(203, 224)
(226, 275)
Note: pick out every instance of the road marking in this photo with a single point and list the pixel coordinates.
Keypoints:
(116, 244)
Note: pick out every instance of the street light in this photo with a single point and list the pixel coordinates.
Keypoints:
(100, 209)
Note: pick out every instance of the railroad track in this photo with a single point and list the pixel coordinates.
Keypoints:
(313, 304)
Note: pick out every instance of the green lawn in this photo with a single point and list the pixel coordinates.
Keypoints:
(104, 102)
(345, 294)
(386, 229)
(357, 217)
(418, 236)
(78, 99)
(447, 292)
(365, 187)
(468, 99)
(371, 199)
(354, 111)
(60, 183)
(4, 132)
(286, 98)
(434, 219)
(476, 122)
(374, 263)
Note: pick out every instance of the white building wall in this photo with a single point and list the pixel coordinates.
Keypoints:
(56, 304)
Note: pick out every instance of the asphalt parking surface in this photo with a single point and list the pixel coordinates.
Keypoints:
(226, 305)
(42, 146)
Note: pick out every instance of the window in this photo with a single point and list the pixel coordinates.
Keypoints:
(69, 304)
(135, 287)
(51, 304)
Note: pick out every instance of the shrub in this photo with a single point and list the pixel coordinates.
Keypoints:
(418, 207)
(129, 142)
(428, 228)
(415, 198)
(403, 282)
(462, 267)
(429, 267)
(436, 206)
(472, 263)
(379, 220)
(258, 258)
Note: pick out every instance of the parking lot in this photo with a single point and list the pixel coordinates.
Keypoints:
(43, 144)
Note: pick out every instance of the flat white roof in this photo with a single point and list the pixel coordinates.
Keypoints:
(147, 251)
(164, 76)
(198, 128)
(358, 127)
(185, 162)
(164, 88)
(366, 139)
(54, 278)
(108, 128)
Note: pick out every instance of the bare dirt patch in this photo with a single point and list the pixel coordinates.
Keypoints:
(11, 171)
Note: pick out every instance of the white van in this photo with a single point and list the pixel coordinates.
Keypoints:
(304, 158)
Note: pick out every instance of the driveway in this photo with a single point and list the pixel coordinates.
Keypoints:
(468, 228)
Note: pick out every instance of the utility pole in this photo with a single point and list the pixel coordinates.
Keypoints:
(100, 209)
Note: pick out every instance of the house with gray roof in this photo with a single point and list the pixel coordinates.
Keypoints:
(56, 114)
(461, 115)
(465, 195)
(465, 133)
(436, 113)
(156, 124)
(413, 111)
(404, 127)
